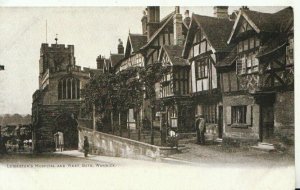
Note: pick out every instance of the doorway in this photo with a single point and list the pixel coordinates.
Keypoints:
(267, 123)
(66, 132)
(220, 122)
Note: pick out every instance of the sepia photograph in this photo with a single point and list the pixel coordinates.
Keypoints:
(147, 97)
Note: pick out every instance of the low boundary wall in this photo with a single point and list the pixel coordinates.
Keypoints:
(111, 145)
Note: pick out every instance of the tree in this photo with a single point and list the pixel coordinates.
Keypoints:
(129, 92)
(122, 91)
(150, 75)
(98, 91)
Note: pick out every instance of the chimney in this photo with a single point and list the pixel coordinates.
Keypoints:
(144, 22)
(221, 11)
(244, 8)
(177, 21)
(100, 62)
(120, 47)
(153, 19)
(187, 18)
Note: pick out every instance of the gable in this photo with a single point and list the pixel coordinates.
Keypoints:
(167, 21)
(128, 50)
(244, 26)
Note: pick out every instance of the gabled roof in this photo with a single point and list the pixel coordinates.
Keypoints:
(115, 58)
(163, 23)
(216, 30)
(264, 22)
(137, 41)
(174, 53)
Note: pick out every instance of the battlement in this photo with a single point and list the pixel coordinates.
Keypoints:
(57, 47)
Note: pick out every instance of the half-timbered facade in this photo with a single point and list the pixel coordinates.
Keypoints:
(170, 30)
(133, 57)
(205, 44)
(256, 77)
(177, 108)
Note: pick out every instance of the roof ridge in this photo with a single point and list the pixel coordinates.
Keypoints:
(257, 12)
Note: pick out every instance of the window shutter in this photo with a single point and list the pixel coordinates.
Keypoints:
(228, 115)
(249, 115)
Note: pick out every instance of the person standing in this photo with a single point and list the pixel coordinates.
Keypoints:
(61, 141)
(197, 123)
(202, 128)
(86, 146)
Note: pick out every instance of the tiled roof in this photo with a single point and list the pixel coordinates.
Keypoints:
(272, 45)
(217, 30)
(268, 22)
(137, 41)
(115, 58)
(174, 53)
(229, 59)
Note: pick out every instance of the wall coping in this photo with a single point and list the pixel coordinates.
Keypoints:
(129, 140)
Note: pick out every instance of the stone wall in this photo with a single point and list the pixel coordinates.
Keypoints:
(284, 121)
(110, 145)
(44, 127)
(242, 134)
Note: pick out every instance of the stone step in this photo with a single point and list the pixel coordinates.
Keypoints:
(264, 143)
(264, 147)
(218, 140)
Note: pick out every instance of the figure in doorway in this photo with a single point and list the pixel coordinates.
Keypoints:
(86, 146)
(61, 141)
(201, 128)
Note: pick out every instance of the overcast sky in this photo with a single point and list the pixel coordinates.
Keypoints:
(93, 31)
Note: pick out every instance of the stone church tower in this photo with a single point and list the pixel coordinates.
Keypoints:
(56, 104)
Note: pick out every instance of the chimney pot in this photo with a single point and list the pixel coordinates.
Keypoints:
(187, 13)
(187, 18)
(120, 47)
(221, 11)
(177, 9)
(153, 19)
(177, 21)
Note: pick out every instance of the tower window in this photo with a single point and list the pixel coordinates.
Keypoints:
(69, 88)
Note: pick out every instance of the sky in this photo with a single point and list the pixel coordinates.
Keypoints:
(92, 30)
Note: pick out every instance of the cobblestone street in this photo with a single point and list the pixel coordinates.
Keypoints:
(233, 156)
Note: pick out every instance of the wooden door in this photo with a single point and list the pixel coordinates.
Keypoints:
(267, 123)
(220, 122)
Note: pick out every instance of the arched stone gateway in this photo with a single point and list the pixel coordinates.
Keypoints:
(65, 132)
